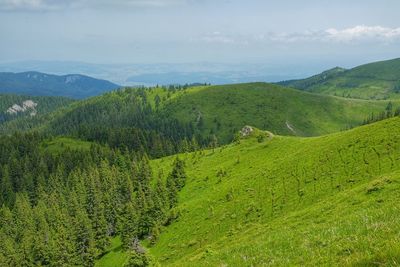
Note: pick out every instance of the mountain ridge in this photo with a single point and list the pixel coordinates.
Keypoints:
(43, 84)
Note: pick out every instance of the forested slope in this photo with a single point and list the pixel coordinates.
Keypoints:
(22, 113)
(63, 200)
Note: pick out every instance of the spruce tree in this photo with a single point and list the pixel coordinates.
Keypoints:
(84, 239)
(43, 241)
(25, 230)
(129, 229)
(7, 191)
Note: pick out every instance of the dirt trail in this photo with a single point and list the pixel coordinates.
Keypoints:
(290, 127)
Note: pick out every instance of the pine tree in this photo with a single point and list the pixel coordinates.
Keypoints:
(7, 191)
(176, 181)
(145, 175)
(25, 230)
(8, 253)
(95, 211)
(172, 191)
(136, 259)
(194, 144)
(214, 141)
(389, 110)
(160, 200)
(84, 239)
(129, 229)
(64, 251)
(143, 207)
(157, 101)
(184, 146)
(178, 173)
(109, 191)
(43, 242)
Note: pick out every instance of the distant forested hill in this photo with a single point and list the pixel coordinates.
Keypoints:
(42, 84)
(378, 80)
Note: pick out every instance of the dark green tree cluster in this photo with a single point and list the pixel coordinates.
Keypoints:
(389, 112)
(125, 119)
(396, 88)
(176, 181)
(61, 209)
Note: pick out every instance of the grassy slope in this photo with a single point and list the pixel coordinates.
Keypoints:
(59, 144)
(330, 200)
(226, 109)
(115, 255)
(377, 80)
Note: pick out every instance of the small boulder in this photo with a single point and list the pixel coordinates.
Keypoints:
(246, 131)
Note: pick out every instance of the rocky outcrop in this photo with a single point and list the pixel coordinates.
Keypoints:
(27, 105)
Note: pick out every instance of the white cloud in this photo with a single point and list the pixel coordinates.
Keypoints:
(218, 37)
(361, 33)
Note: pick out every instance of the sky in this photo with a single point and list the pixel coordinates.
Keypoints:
(284, 32)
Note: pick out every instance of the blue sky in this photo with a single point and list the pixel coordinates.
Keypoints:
(291, 32)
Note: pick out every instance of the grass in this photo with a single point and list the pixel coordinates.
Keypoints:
(115, 256)
(330, 200)
(226, 109)
(59, 144)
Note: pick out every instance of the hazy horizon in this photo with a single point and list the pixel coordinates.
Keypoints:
(179, 31)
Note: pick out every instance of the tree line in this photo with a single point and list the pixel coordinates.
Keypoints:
(389, 112)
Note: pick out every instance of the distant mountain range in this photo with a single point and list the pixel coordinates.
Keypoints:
(42, 84)
(171, 73)
(378, 80)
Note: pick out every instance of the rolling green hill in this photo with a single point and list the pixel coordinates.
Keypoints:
(214, 110)
(378, 80)
(223, 110)
(330, 200)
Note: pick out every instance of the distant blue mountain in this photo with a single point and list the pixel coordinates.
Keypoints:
(42, 84)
